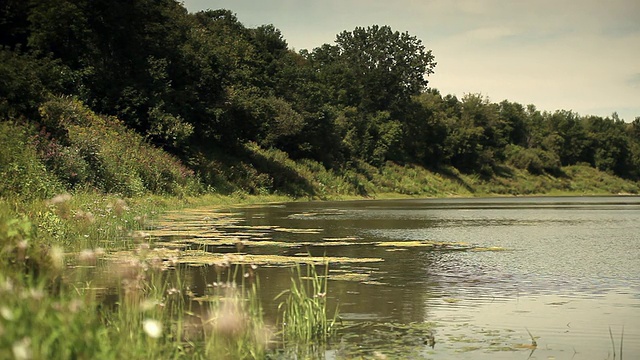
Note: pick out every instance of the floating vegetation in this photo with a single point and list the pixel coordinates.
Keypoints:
(469, 338)
(489, 248)
(374, 282)
(239, 242)
(374, 340)
(348, 276)
(312, 214)
(202, 257)
(451, 300)
(406, 244)
(161, 254)
(299, 231)
(170, 257)
(200, 228)
(425, 243)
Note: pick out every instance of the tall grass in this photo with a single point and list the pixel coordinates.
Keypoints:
(60, 305)
(305, 317)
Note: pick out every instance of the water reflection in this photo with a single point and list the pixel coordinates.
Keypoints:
(567, 268)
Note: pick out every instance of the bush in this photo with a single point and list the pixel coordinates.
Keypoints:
(22, 173)
(88, 149)
(534, 160)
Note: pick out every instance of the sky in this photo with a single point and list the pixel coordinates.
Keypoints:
(579, 55)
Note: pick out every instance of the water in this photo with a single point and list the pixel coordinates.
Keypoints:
(563, 270)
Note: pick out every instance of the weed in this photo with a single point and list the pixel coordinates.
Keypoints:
(304, 308)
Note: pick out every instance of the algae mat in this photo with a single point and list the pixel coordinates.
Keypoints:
(202, 237)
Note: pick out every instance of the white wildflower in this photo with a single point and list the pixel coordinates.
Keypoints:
(153, 328)
(149, 304)
(59, 199)
(6, 313)
(57, 257)
(22, 349)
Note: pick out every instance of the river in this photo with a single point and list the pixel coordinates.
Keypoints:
(486, 277)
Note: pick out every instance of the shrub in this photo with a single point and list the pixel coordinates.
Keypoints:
(534, 160)
(22, 173)
(86, 148)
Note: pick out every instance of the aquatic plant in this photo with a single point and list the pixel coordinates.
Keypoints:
(613, 343)
(304, 307)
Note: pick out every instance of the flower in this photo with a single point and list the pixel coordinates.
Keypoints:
(87, 256)
(6, 313)
(56, 254)
(153, 328)
(59, 199)
(22, 349)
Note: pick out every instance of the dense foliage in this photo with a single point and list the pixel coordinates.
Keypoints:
(202, 86)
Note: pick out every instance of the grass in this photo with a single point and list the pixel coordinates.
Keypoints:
(613, 343)
(304, 307)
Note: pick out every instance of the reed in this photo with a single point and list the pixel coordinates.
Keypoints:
(305, 317)
(613, 343)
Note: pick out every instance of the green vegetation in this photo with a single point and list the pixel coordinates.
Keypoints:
(304, 308)
(113, 113)
(145, 97)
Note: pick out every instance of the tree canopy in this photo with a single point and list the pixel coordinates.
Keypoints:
(203, 82)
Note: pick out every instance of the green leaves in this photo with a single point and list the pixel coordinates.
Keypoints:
(378, 68)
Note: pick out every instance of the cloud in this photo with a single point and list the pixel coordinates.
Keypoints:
(489, 33)
(634, 81)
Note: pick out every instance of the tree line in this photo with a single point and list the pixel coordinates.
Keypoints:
(202, 83)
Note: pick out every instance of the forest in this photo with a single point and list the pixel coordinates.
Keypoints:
(189, 95)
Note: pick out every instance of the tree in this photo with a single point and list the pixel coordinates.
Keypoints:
(25, 81)
(477, 135)
(573, 142)
(375, 69)
(609, 144)
(14, 25)
(425, 130)
(514, 117)
(372, 75)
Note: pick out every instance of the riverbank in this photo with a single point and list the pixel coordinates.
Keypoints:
(54, 247)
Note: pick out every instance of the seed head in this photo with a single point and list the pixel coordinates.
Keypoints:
(153, 328)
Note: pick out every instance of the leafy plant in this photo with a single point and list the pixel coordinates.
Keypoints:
(23, 174)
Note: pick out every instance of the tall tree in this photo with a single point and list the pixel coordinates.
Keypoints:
(570, 137)
(609, 145)
(379, 68)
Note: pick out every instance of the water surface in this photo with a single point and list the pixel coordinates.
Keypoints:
(564, 269)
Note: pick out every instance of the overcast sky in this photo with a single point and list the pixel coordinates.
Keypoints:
(580, 55)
